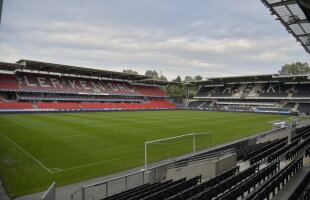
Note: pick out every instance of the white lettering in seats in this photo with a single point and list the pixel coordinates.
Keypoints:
(42, 82)
(84, 85)
(28, 83)
(56, 82)
(73, 84)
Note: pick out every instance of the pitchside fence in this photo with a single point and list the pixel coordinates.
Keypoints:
(153, 174)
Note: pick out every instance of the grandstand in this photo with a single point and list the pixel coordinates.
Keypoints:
(53, 87)
(270, 93)
(38, 86)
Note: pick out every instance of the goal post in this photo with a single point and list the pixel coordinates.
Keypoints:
(178, 145)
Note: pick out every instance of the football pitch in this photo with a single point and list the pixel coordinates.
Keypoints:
(37, 149)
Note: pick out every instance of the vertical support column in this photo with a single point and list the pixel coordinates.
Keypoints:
(126, 185)
(106, 189)
(194, 142)
(143, 177)
(83, 194)
(145, 155)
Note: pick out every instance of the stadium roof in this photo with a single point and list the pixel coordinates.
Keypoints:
(68, 69)
(252, 79)
(10, 66)
(295, 16)
(158, 82)
(1, 4)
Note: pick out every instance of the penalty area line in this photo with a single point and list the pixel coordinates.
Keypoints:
(104, 161)
(31, 156)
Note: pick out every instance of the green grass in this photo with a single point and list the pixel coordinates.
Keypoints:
(89, 145)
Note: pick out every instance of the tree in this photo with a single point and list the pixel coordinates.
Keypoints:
(198, 78)
(175, 90)
(130, 71)
(162, 77)
(296, 68)
(151, 73)
(188, 78)
(177, 79)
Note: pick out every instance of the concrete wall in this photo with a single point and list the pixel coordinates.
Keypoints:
(226, 163)
(207, 169)
(303, 123)
(281, 134)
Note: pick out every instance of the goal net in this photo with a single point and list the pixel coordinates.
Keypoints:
(169, 148)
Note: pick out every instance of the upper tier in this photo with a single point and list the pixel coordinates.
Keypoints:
(65, 84)
(256, 91)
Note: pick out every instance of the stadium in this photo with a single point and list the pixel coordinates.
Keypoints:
(80, 133)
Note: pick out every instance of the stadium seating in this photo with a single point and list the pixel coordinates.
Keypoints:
(268, 151)
(145, 193)
(78, 85)
(302, 90)
(204, 91)
(246, 152)
(224, 91)
(150, 90)
(304, 108)
(302, 192)
(161, 104)
(77, 98)
(49, 105)
(96, 105)
(227, 184)
(300, 132)
(276, 155)
(275, 90)
(276, 182)
(195, 104)
(41, 82)
(8, 82)
(245, 186)
(128, 106)
(296, 150)
(289, 105)
(206, 104)
(15, 105)
(197, 189)
(260, 148)
(174, 189)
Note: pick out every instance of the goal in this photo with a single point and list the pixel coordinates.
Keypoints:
(169, 148)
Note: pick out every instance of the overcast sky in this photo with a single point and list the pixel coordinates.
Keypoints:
(178, 37)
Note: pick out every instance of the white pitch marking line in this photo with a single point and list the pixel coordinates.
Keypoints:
(33, 158)
(67, 136)
(104, 161)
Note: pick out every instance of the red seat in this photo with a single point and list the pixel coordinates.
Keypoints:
(96, 105)
(8, 81)
(16, 105)
(49, 105)
(150, 90)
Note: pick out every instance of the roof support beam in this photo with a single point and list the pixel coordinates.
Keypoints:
(300, 21)
(282, 3)
(303, 35)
